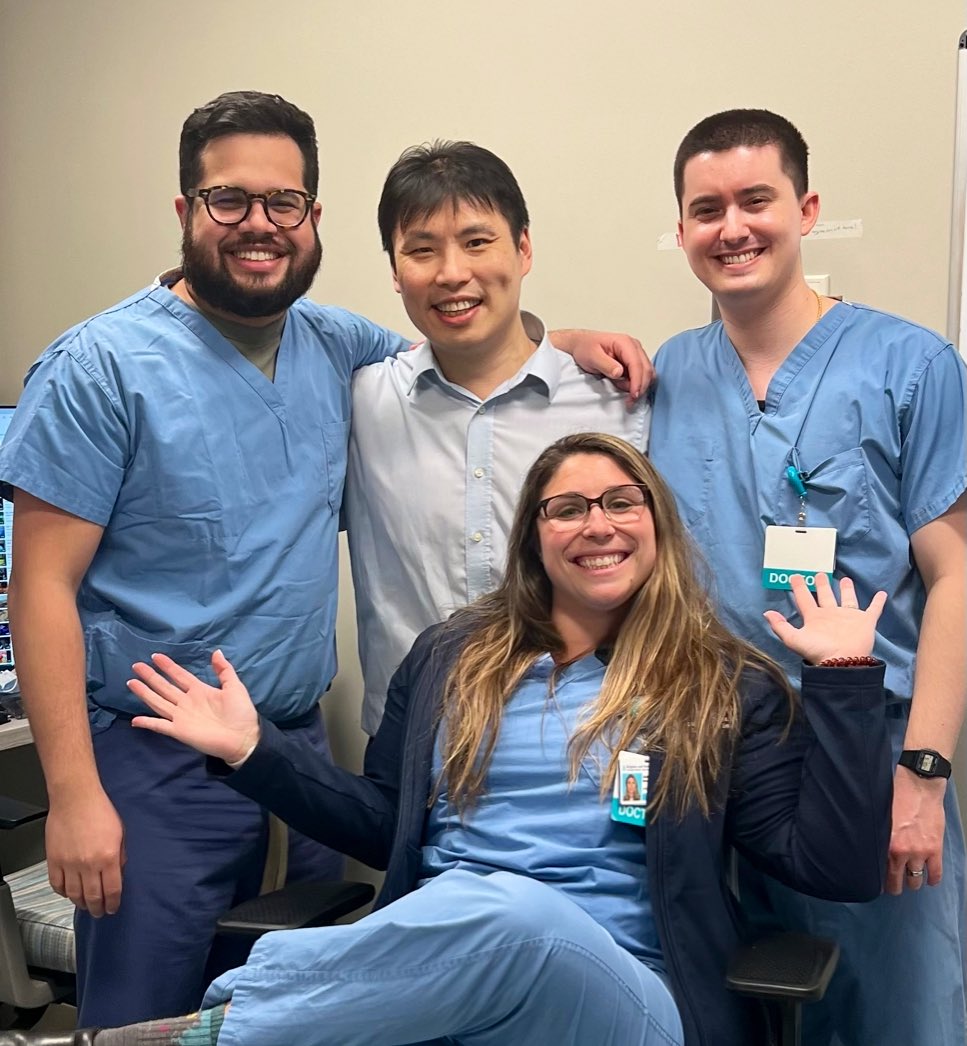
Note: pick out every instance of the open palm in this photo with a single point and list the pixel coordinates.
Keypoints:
(830, 628)
(219, 721)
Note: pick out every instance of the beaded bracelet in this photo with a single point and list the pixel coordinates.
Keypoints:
(849, 662)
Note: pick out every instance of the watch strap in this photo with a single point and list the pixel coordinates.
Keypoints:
(925, 762)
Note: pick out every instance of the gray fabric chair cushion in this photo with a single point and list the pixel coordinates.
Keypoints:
(46, 919)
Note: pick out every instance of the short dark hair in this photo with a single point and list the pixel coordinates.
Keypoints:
(247, 112)
(749, 127)
(429, 175)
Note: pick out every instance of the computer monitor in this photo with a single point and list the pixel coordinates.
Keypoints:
(6, 549)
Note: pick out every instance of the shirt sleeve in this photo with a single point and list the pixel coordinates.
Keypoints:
(811, 807)
(370, 342)
(68, 441)
(933, 436)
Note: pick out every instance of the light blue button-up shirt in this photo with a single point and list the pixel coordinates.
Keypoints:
(432, 485)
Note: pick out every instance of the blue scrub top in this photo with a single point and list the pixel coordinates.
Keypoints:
(875, 405)
(534, 821)
(218, 490)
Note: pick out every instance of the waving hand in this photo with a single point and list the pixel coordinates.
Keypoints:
(219, 721)
(829, 628)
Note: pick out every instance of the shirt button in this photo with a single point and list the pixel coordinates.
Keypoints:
(477, 536)
(478, 472)
(481, 410)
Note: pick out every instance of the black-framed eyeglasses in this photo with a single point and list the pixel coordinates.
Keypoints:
(622, 504)
(230, 205)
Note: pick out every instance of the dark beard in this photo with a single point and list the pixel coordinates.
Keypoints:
(214, 286)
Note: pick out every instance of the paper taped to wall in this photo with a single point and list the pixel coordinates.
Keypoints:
(849, 229)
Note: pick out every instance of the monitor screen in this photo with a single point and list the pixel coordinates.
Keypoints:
(6, 545)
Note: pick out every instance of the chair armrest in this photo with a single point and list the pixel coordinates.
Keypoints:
(294, 907)
(14, 813)
(793, 966)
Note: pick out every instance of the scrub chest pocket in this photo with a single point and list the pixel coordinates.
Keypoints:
(837, 496)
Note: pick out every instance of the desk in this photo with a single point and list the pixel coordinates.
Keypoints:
(21, 778)
(14, 734)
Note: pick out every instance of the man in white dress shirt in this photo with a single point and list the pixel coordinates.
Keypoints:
(443, 435)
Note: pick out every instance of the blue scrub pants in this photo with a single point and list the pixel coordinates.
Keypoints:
(480, 960)
(194, 848)
(903, 960)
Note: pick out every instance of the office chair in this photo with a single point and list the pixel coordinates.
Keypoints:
(36, 933)
(37, 964)
(784, 970)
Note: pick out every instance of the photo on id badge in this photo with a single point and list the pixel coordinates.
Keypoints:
(629, 797)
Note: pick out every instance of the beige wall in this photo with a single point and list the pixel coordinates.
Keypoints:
(586, 102)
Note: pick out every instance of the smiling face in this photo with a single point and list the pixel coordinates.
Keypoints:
(254, 270)
(459, 273)
(742, 223)
(598, 567)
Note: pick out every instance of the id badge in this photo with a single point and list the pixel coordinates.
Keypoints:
(798, 550)
(630, 795)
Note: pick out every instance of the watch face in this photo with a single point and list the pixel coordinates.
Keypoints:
(925, 762)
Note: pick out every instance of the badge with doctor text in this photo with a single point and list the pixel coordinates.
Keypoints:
(630, 795)
(798, 550)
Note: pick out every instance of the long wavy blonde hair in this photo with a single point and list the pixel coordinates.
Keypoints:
(673, 680)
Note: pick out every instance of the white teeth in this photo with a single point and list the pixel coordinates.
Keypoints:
(256, 255)
(739, 259)
(599, 562)
(457, 306)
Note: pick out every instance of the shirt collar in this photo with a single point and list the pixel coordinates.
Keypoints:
(422, 361)
(544, 364)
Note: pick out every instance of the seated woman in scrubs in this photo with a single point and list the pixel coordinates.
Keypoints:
(524, 903)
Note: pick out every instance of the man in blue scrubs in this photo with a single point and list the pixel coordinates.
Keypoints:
(178, 462)
(800, 412)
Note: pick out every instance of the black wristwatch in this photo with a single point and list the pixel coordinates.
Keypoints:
(925, 762)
